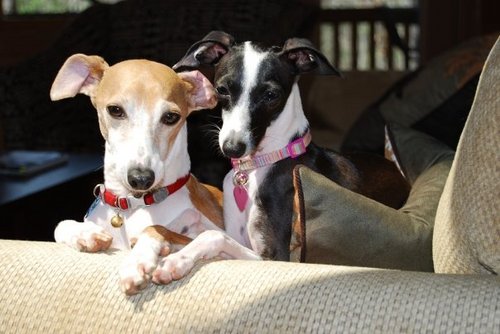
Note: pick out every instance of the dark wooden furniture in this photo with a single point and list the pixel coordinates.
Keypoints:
(31, 207)
(399, 27)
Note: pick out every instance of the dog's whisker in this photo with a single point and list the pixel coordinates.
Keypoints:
(214, 117)
(214, 127)
(211, 126)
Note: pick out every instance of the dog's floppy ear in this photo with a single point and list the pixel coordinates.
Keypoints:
(208, 51)
(79, 74)
(304, 58)
(200, 92)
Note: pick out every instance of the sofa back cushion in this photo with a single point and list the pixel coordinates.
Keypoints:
(334, 225)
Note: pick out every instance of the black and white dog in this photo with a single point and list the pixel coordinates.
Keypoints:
(266, 134)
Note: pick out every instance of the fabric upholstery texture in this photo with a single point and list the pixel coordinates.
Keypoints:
(342, 227)
(467, 233)
(49, 288)
(337, 226)
(415, 151)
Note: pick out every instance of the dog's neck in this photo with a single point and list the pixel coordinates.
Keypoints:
(176, 165)
(291, 123)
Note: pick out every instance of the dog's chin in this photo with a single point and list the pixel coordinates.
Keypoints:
(248, 153)
(137, 193)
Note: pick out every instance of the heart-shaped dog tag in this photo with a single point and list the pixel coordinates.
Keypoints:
(241, 197)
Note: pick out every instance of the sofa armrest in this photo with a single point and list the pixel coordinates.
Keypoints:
(47, 287)
(467, 228)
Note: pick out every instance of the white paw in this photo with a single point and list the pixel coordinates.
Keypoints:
(135, 274)
(137, 269)
(173, 267)
(85, 237)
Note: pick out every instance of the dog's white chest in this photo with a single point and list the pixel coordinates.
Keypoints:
(241, 225)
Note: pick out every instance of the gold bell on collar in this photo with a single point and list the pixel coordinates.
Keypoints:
(117, 221)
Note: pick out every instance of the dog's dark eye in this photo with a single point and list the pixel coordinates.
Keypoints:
(116, 111)
(170, 118)
(271, 96)
(222, 91)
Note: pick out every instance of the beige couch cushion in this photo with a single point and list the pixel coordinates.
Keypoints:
(467, 227)
(49, 288)
(338, 226)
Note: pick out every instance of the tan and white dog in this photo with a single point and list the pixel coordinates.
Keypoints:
(149, 198)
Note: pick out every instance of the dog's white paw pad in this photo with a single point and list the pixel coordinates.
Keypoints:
(131, 287)
(93, 241)
(133, 280)
(136, 273)
(172, 267)
(161, 276)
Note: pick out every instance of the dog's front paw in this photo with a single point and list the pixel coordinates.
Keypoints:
(173, 267)
(137, 270)
(95, 241)
(135, 275)
(85, 237)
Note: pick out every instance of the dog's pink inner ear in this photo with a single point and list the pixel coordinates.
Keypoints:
(210, 53)
(79, 74)
(78, 77)
(202, 94)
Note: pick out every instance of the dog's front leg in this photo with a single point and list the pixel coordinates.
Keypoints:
(207, 245)
(85, 237)
(153, 242)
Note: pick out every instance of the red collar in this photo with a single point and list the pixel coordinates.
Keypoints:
(131, 202)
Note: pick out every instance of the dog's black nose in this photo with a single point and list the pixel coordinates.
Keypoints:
(234, 148)
(140, 179)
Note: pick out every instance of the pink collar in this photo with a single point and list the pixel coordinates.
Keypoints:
(241, 166)
(292, 150)
(131, 202)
